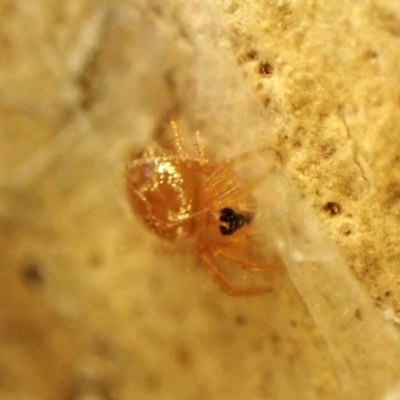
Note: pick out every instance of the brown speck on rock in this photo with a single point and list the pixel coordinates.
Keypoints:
(182, 356)
(372, 54)
(265, 68)
(358, 314)
(95, 259)
(31, 274)
(332, 208)
(267, 102)
(275, 337)
(345, 229)
(240, 320)
(251, 55)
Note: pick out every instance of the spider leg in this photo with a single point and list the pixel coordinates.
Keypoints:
(226, 186)
(246, 265)
(224, 180)
(166, 248)
(178, 142)
(225, 284)
(177, 136)
(200, 147)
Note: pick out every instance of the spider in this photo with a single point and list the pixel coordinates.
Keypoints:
(197, 205)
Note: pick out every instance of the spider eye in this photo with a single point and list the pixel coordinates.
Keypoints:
(225, 231)
(227, 215)
(233, 220)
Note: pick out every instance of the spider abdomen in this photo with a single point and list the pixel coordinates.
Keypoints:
(162, 190)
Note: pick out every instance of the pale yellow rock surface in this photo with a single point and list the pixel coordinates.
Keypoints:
(91, 307)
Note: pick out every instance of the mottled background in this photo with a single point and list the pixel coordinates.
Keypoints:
(91, 308)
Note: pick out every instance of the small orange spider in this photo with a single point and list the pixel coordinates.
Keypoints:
(198, 205)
